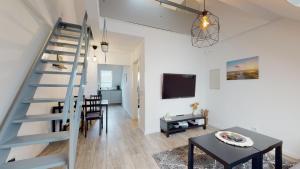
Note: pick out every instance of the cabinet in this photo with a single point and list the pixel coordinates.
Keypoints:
(168, 126)
(113, 96)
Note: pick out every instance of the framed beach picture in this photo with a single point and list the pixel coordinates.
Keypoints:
(243, 69)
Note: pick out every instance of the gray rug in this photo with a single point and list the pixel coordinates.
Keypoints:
(177, 159)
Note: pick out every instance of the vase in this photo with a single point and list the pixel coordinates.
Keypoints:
(194, 112)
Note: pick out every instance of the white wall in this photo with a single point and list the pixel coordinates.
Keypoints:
(270, 104)
(134, 104)
(138, 59)
(129, 83)
(92, 80)
(25, 27)
(165, 52)
(115, 58)
(127, 89)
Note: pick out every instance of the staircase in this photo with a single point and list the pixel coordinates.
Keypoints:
(66, 37)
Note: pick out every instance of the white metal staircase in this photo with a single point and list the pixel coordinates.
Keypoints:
(74, 37)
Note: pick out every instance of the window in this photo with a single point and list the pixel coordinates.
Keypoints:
(106, 79)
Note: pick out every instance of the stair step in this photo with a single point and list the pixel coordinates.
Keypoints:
(42, 117)
(50, 161)
(69, 29)
(35, 139)
(43, 100)
(52, 85)
(56, 52)
(63, 44)
(60, 62)
(66, 24)
(55, 72)
(63, 36)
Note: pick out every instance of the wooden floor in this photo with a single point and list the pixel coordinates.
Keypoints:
(124, 147)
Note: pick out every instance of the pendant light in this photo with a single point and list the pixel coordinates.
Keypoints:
(94, 57)
(205, 29)
(104, 43)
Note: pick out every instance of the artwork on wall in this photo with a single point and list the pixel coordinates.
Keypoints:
(243, 69)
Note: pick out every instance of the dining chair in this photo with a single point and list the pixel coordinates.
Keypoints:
(92, 111)
(96, 97)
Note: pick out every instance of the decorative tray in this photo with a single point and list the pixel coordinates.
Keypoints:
(234, 139)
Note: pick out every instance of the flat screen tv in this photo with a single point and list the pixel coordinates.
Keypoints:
(178, 86)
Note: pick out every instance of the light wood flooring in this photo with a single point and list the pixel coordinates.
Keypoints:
(124, 146)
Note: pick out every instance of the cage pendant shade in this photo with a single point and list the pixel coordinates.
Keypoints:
(205, 29)
(104, 47)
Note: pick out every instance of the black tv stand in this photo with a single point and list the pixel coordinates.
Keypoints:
(167, 126)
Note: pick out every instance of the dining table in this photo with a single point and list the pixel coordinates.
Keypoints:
(58, 109)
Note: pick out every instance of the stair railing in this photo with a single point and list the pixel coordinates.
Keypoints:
(75, 118)
(69, 99)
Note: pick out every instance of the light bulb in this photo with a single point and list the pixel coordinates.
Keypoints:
(94, 58)
(204, 22)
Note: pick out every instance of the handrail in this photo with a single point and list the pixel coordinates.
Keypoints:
(85, 58)
(69, 95)
(75, 117)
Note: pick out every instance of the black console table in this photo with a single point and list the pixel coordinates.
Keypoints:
(167, 126)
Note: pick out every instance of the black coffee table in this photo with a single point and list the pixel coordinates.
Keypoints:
(231, 156)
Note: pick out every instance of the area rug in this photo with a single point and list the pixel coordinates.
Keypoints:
(177, 159)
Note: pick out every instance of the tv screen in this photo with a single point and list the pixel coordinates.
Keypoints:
(178, 86)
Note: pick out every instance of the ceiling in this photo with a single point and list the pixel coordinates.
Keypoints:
(236, 16)
(281, 8)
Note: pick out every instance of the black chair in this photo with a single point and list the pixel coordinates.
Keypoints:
(92, 111)
(96, 97)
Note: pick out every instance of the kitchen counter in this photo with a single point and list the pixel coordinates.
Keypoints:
(110, 90)
(114, 96)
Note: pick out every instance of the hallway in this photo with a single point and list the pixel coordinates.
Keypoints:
(124, 147)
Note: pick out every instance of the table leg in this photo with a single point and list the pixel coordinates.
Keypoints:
(53, 125)
(278, 157)
(257, 162)
(191, 156)
(106, 111)
(60, 125)
(205, 123)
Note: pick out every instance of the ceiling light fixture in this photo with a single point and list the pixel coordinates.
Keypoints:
(94, 57)
(294, 2)
(205, 27)
(104, 43)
